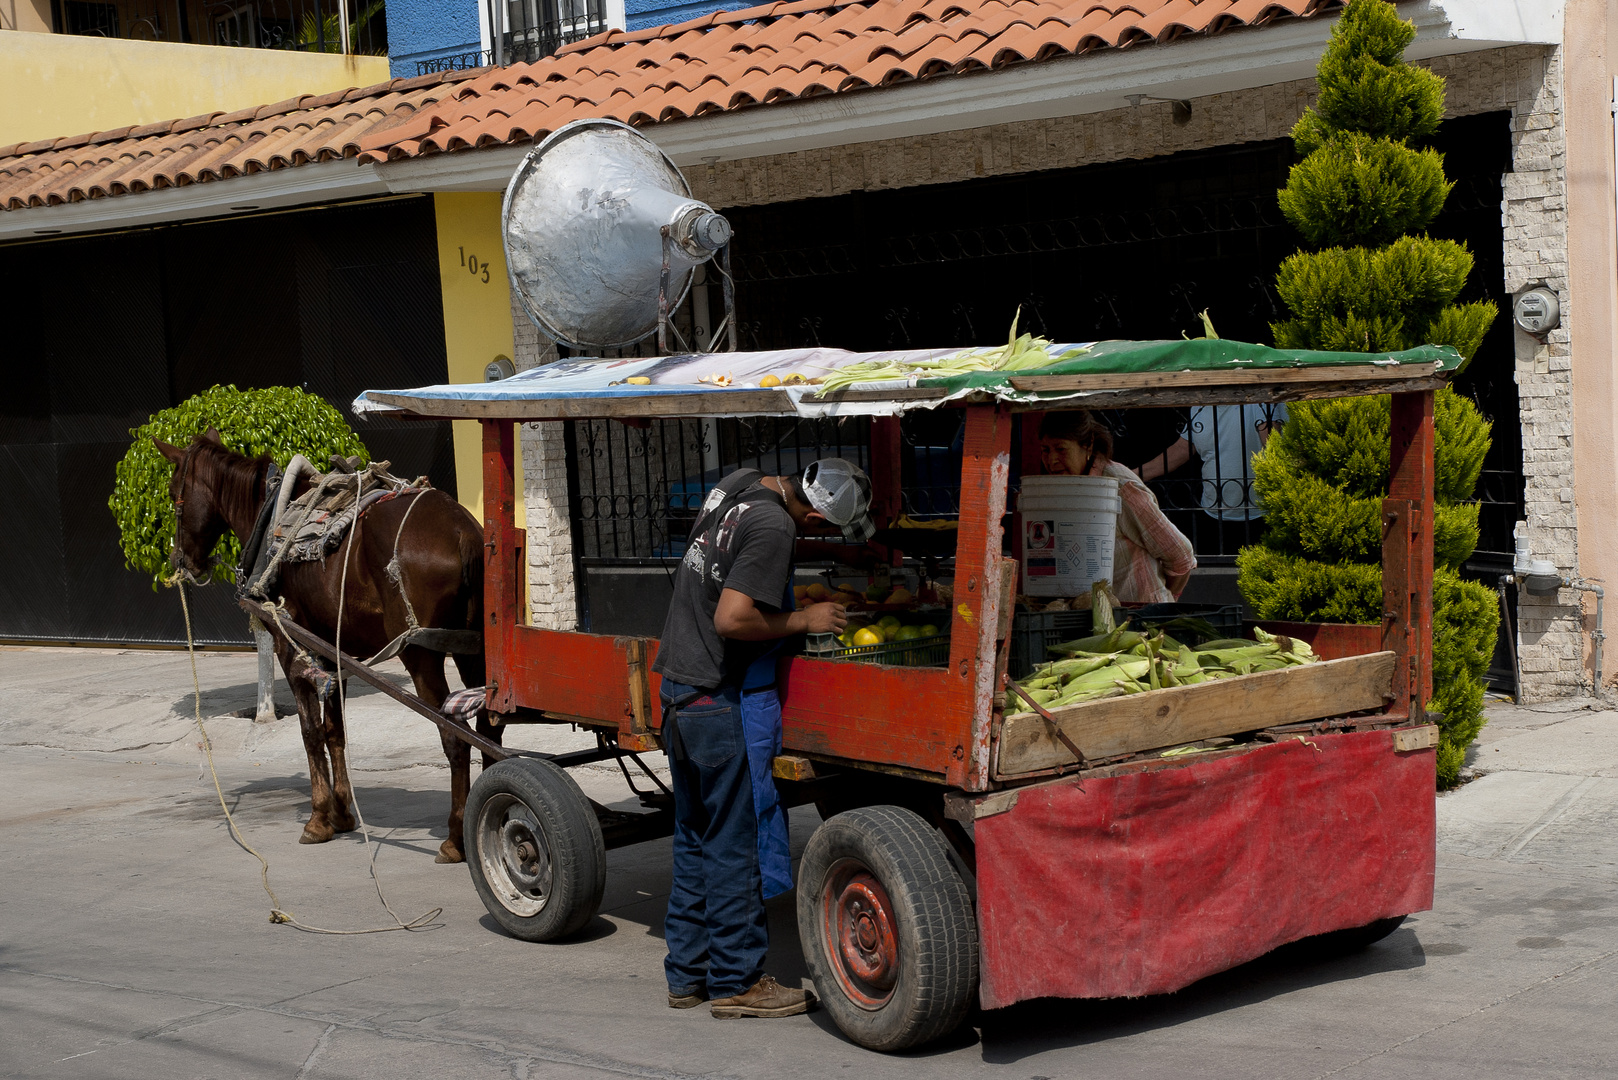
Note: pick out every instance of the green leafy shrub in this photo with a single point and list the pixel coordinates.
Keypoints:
(1370, 286)
(279, 420)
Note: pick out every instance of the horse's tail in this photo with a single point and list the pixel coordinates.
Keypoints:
(471, 549)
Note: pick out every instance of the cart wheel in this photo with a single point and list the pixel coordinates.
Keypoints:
(888, 930)
(535, 850)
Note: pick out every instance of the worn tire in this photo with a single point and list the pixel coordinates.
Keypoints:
(888, 930)
(535, 849)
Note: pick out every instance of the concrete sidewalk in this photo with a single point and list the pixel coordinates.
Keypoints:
(134, 943)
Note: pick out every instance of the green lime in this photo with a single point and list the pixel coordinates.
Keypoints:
(929, 630)
(908, 633)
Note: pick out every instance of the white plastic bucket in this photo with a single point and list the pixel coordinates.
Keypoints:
(1069, 524)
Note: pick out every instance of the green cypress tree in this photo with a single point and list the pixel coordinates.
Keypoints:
(1373, 283)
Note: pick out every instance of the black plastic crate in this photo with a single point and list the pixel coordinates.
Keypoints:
(917, 652)
(1032, 632)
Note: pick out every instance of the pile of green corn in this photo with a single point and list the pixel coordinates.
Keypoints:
(1128, 662)
(1022, 353)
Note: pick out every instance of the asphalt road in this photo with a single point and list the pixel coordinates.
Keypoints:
(134, 938)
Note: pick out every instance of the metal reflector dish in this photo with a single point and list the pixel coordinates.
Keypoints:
(582, 226)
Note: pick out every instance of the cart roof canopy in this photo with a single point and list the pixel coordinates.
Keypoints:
(1104, 374)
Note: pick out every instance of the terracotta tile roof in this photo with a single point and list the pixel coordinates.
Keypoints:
(794, 50)
(214, 146)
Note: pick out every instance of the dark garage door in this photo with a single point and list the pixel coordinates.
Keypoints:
(107, 330)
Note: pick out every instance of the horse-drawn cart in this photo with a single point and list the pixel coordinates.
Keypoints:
(966, 851)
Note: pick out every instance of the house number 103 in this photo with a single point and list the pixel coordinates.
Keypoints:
(477, 269)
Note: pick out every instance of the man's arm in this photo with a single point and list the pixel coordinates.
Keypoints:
(740, 619)
(1175, 456)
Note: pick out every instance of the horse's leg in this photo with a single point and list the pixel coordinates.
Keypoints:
(427, 672)
(342, 814)
(319, 829)
(471, 668)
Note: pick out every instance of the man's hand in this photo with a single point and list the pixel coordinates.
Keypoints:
(740, 619)
(827, 618)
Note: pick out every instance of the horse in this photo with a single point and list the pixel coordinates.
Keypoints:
(440, 552)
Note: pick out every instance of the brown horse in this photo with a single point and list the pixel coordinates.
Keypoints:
(441, 554)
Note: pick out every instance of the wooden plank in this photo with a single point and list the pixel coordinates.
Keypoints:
(357, 669)
(640, 697)
(985, 471)
(1142, 380)
(582, 675)
(1255, 394)
(1185, 714)
(702, 403)
(790, 767)
(1420, 738)
(1407, 553)
(503, 566)
(873, 714)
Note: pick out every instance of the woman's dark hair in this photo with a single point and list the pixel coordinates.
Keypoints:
(1079, 425)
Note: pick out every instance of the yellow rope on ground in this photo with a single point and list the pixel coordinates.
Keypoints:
(277, 913)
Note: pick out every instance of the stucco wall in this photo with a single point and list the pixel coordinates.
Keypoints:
(1592, 234)
(54, 85)
(428, 29)
(32, 16)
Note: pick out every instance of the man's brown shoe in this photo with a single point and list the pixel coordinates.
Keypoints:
(765, 998)
(687, 1001)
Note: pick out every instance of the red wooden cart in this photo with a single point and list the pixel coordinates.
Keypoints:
(965, 852)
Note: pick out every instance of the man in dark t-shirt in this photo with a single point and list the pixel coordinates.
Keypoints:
(731, 608)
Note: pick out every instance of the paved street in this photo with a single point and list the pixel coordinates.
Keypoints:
(134, 939)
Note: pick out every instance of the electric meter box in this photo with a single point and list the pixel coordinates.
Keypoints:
(1537, 311)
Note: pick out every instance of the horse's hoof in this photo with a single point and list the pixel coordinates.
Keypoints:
(346, 825)
(449, 853)
(315, 836)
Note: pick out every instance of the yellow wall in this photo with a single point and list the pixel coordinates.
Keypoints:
(53, 85)
(477, 316)
(31, 15)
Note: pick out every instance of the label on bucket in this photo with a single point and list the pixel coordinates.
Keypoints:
(1072, 553)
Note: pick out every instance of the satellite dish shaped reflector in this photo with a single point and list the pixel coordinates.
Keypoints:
(583, 223)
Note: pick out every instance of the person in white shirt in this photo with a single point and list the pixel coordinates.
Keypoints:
(1224, 438)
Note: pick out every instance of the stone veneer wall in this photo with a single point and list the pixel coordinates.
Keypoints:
(1525, 80)
(552, 599)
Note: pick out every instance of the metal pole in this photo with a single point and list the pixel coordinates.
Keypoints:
(663, 298)
(730, 295)
(342, 26)
(265, 644)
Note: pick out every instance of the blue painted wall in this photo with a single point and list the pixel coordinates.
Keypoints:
(640, 14)
(429, 29)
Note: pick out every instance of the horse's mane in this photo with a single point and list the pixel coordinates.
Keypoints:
(237, 480)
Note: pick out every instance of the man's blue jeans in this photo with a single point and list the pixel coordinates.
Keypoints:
(716, 931)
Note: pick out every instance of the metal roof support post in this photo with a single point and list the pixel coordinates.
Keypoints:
(1407, 554)
(503, 564)
(985, 470)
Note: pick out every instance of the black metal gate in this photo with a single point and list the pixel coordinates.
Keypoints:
(107, 330)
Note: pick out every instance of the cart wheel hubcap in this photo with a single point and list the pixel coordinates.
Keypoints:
(860, 934)
(513, 855)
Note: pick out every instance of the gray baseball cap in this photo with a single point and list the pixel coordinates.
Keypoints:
(841, 491)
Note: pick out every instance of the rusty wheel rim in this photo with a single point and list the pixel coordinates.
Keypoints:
(513, 854)
(861, 934)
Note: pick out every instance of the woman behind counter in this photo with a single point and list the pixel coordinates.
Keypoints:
(1152, 560)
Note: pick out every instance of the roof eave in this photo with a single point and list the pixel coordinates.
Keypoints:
(271, 189)
(1097, 82)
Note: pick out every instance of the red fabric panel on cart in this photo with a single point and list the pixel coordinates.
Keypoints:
(1144, 883)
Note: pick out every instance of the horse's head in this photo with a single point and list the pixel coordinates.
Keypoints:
(199, 521)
